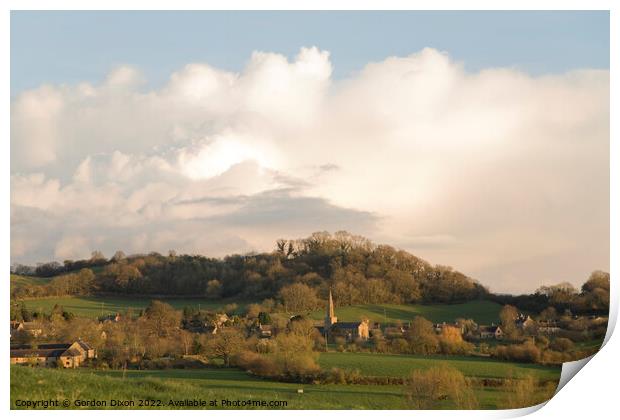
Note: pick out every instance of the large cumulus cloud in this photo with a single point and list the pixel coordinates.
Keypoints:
(497, 173)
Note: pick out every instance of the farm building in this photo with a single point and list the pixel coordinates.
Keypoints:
(69, 355)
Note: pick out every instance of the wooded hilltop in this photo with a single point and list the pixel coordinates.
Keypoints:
(298, 273)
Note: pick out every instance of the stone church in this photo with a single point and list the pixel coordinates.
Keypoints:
(348, 330)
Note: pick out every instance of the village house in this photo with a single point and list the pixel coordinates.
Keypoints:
(349, 330)
(264, 331)
(210, 326)
(524, 321)
(32, 328)
(110, 318)
(439, 327)
(394, 331)
(490, 331)
(548, 327)
(68, 355)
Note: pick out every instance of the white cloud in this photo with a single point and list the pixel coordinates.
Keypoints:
(70, 246)
(475, 170)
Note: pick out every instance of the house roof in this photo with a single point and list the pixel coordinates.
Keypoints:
(71, 352)
(347, 325)
(489, 328)
(49, 350)
(50, 346)
(398, 329)
(84, 345)
(37, 352)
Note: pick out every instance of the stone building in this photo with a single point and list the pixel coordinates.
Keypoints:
(348, 330)
(68, 355)
(490, 331)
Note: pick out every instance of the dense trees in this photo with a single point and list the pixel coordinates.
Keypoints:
(161, 318)
(595, 292)
(225, 344)
(298, 297)
(356, 270)
(421, 337)
(592, 299)
(508, 316)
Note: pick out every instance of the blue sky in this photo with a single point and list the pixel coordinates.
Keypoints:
(68, 47)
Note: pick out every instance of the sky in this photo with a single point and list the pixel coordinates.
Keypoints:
(478, 140)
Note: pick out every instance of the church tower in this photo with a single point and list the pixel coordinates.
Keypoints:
(330, 317)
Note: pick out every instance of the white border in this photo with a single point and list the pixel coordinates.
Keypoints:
(592, 394)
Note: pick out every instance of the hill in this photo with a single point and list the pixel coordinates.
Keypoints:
(19, 280)
(95, 306)
(356, 269)
(481, 311)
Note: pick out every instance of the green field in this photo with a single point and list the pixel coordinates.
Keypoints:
(208, 384)
(17, 280)
(482, 311)
(397, 365)
(95, 306)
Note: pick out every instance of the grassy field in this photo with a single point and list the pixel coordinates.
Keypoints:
(372, 364)
(482, 311)
(208, 384)
(17, 280)
(93, 307)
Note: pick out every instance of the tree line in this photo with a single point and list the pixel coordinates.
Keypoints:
(356, 270)
(299, 274)
(592, 298)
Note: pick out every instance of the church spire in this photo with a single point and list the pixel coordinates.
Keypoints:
(330, 316)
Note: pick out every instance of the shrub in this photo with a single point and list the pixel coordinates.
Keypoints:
(340, 344)
(421, 337)
(526, 392)
(301, 364)
(451, 341)
(256, 364)
(399, 345)
(342, 376)
(432, 388)
(561, 344)
(337, 376)
(526, 352)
